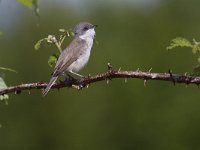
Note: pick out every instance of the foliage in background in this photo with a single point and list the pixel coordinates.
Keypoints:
(67, 119)
(1, 33)
(51, 40)
(30, 4)
(194, 45)
(3, 84)
(8, 69)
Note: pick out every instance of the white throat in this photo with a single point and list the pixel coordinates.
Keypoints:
(89, 34)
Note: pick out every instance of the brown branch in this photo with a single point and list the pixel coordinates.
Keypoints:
(110, 74)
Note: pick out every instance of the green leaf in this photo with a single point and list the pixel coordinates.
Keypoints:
(27, 3)
(196, 46)
(71, 33)
(3, 86)
(179, 42)
(38, 44)
(53, 59)
(196, 70)
(68, 32)
(36, 8)
(30, 4)
(8, 69)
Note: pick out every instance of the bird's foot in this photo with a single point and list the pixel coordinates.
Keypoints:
(69, 80)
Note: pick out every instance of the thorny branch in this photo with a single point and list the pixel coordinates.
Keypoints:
(110, 74)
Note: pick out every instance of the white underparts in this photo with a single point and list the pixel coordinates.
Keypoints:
(88, 36)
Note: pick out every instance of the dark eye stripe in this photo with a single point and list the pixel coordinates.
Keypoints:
(85, 28)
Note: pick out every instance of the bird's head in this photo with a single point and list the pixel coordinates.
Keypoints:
(85, 30)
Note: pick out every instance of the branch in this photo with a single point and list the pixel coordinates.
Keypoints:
(110, 74)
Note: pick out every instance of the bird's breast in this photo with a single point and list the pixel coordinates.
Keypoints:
(83, 58)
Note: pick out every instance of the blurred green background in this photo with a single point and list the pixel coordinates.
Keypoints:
(115, 116)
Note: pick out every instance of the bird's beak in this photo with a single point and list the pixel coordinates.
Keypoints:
(95, 26)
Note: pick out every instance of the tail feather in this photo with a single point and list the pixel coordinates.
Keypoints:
(51, 82)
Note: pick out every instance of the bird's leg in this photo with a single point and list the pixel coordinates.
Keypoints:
(75, 74)
(69, 80)
(68, 76)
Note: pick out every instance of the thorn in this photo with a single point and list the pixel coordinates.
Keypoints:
(125, 80)
(87, 86)
(80, 87)
(88, 77)
(138, 70)
(119, 69)
(107, 81)
(29, 92)
(171, 76)
(145, 83)
(109, 66)
(150, 70)
(185, 74)
(17, 91)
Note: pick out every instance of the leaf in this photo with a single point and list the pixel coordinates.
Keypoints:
(68, 32)
(27, 3)
(53, 59)
(38, 44)
(196, 46)
(179, 42)
(196, 70)
(8, 69)
(71, 33)
(36, 8)
(30, 4)
(3, 86)
(62, 30)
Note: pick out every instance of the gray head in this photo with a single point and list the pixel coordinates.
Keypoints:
(83, 27)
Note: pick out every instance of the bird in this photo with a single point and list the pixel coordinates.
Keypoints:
(74, 58)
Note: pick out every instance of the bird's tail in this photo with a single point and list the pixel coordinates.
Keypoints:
(51, 82)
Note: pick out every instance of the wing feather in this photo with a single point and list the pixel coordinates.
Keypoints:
(68, 56)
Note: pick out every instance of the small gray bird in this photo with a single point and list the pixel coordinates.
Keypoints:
(76, 55)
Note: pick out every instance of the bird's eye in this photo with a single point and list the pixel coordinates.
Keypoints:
(85, 28)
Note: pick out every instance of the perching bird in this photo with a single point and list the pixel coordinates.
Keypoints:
(76, 55)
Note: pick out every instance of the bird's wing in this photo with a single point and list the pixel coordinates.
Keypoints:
(68, 56)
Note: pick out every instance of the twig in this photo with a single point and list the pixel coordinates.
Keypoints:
(110, 74)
